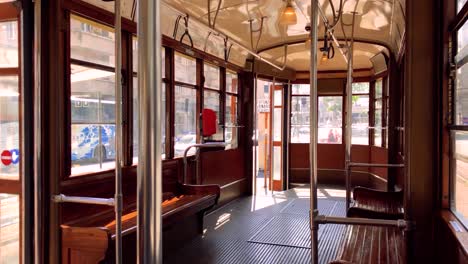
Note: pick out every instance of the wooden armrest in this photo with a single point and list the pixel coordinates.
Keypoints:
(208, 189)
(362, 193)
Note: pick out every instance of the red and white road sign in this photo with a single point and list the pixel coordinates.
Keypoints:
(6, 157)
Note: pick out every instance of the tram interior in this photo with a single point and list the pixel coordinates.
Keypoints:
(259, 154)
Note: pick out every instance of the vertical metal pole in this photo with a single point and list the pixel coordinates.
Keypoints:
(149, 242)
(348, 123)
(313, 132)
(255, 141)
(118, 133)
(38, 225)
(27, 131)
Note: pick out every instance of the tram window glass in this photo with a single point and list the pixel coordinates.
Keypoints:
(300, 104)
(378, 113)
(211, 100)
(211, 74)
(330, 119)
(360, 113)
(231, 132)
(459, 134)
(91, 41)
(185, 126)
(10, 120)
(231, 81)
(9, 44)
(9, 228)
(460, 4)
(212, 97)
(300, 89)
(9, 125)
(135, 148)
(93, 120)
(185, 69)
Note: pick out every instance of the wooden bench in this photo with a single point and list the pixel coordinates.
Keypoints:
(372, 244)
(370, 203)
(92, 240)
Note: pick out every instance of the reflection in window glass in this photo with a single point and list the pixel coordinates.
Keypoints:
(231, 132)
(9, 228)
(300, 89)
(360, 120)
(300, 128)
(93, 120)
(9, 126)
(185, 126)
(9, 44)
(185, 69)
(211, 76)
(91, 41)
(211, 101)
(231, 81)
(330, 119)
(460, 174)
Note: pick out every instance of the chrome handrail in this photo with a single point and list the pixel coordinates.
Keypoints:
(62, 198)
(377, 165)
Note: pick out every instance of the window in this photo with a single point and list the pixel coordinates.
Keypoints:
(212, 96)
(330, 119)
(185, 101)
(360, 114)
(135, 104)
(231, 119)
(185, 69)
(10, 122)
(300, 111)
(185, 127)
(8, 44)
(460, 4)
(459, 129)
(92, 99)
(378, 106)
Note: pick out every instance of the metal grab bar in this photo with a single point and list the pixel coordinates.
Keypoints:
(62, 198)
(199, 146)
(378, 165)
(400, 223)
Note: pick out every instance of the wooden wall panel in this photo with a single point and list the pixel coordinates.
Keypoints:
(379, 155)
(222, 167)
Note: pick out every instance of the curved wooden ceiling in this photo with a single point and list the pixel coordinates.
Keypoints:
(377, 21)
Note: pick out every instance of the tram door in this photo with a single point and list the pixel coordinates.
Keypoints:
(263, 132)
(276, 147)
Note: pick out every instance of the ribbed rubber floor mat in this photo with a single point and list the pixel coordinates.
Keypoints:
(291, 228)
(278, 233)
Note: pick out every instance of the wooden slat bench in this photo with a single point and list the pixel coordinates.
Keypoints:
(92, 240)
(372, 244)
(370, 203)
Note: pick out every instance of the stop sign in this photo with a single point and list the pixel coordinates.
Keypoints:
(6, 157)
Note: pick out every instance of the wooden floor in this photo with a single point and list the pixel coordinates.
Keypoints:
(266, 228)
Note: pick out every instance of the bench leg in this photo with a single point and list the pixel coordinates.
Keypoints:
(200, 216)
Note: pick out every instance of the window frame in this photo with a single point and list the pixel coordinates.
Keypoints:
(461, 19)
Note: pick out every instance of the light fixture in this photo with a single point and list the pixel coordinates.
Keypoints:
(288, 17)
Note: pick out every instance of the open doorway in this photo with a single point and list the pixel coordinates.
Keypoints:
(268, 142)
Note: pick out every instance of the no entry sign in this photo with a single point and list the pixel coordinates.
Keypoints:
(6, 157)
